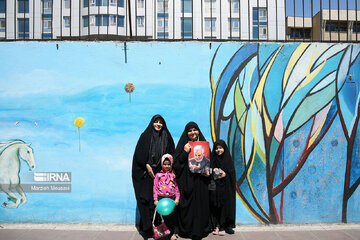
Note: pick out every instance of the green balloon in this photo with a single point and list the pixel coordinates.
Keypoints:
(165, 206)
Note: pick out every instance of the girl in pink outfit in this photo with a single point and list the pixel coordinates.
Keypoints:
(165, 186)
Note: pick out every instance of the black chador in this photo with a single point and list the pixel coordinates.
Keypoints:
(193, 210)
(223, 199)
(150, 147)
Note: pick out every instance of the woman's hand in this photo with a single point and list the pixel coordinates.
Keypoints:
(187, 147)
(150, 171)
(156, 202)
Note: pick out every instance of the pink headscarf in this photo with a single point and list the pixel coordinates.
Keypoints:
(167, 156)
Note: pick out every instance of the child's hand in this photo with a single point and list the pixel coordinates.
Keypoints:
(176, 202)
(156, 202)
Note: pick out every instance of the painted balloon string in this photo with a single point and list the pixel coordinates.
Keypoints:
(129, 88)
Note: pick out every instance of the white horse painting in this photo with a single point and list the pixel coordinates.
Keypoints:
(10, 154)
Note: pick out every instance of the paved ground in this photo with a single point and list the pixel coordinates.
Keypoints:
(118, 232)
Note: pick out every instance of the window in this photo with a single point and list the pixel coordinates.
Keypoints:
(210, 24)
(162, 6)
(186, 6)
(235, 5)
(47, 6)
(85, 21)
(162, 25)
(234, 24)
(86, 4)
(92, 2)
(210, 6)
(2, 6)
(92, 20)
(67, 3)
(23, 28)
(67, 22)
(300, 33)
(140, 3)
(23, 6)
(112, 2)
(120, 22)
(121, 3)
(102, 20)
(2, 24)
(186, 27)
(356, 28)
(47, 25)
(259, 23)
(140, 21)
(112, 20)
(336, 26)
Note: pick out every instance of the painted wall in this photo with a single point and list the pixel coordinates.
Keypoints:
(288, 111)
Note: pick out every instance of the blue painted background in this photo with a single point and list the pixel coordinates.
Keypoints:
(52, 87)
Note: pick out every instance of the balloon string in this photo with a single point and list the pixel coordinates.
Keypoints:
(79, 138)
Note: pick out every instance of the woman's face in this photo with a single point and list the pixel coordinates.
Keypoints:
(219, 150)
(193, 134)
(158, 124)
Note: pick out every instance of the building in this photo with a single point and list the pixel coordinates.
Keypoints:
(142, 19)
(326, 25)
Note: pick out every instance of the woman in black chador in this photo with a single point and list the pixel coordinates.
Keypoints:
(154, 142)
(222, 199)
(193, 210)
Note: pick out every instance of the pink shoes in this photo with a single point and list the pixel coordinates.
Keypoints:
(222, 233)
(216, 231)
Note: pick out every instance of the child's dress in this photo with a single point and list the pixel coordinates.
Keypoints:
(165, 186)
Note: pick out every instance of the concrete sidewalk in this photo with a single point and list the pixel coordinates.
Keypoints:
(126, 232)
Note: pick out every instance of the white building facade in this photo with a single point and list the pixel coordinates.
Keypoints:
(142, 19)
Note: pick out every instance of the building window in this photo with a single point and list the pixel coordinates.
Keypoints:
(140, 21)
(356, 28)
(186, 28)
(47, 6)
(300, 33)
(23, 6)
(259, 23)
(336, 26)
(210, 6)
(120, 21)
(162, 25)
(210, 24)
(121, 3)
(67, 3)
(112, 20)
(2, 24)
(235, 6)
(2, 6)
(85, 21)
(140, 3)
(112, 2)
(67, 22)
(47, 25)
(92, 20)
(92, 2)
(23, 28)
(186, 6)
(102, 20)
(234, 24)
(162, 6)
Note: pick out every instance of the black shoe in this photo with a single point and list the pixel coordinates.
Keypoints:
(229, 230)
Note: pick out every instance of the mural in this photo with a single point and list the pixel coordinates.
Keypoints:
(289, 113)
(275, 105)
(11, 152)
